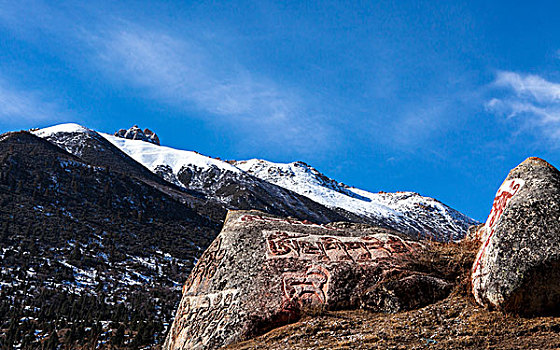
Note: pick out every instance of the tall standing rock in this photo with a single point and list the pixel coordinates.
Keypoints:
(262, 271)
(517, 268)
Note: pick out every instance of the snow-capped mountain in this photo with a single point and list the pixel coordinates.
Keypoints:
(406, 211)
(295, 189)
(93, 148)
(94, 220)
(216, 182)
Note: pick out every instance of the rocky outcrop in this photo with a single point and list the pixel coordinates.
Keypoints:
(263, 271)
(517, 268)
(135, 133)
(406, 293)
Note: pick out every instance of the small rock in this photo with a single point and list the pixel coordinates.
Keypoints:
(407, 293)
(135, 133)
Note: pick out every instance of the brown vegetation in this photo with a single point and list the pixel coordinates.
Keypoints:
(453, 323)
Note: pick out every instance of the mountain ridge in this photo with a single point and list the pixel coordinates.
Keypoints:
(409, 212)
(216, 187)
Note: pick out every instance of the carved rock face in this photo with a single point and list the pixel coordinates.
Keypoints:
(517, 268)
(262, 271)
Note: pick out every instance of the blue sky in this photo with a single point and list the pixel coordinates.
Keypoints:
(441, 98)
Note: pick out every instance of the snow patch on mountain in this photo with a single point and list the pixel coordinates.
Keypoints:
(62, 128)
(152, 156)
(408, 211)
(73, 140)
(307, 181)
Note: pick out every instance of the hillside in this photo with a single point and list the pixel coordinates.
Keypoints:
(92, 253)
(456, 322)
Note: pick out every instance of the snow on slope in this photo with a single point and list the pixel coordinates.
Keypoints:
(68, 128)
(152, 155)
(72, 145)
(406, 210)
(166, 162)
(148, 154)
(305, 180)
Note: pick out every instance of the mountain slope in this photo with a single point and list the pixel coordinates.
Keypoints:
(407, 212)
(95, 149)
(84, 247)
(216, 183)
(219, 180)
(294, 189)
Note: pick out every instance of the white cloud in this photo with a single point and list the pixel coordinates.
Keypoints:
(190, 76)
(529, 86)
(19, 105)
(532, 98)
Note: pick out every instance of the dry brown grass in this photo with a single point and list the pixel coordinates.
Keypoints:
(454, 323)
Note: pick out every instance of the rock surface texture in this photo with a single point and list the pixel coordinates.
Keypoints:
(517, 268)
(135, 133)
(263, 271)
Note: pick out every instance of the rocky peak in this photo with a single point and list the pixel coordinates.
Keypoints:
(135, 133)
(534, 162)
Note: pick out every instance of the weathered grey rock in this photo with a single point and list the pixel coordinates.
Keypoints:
(135, 133)
(406, 293)
(151, 136)
(517, 268)
(263, 271)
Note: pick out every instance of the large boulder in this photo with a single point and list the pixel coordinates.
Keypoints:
(517, 268)
(263, 271)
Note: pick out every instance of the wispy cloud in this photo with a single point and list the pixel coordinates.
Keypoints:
(532, 98)
(187, 72)
(191, 76)
(178, 71)
(529, 86)
(19, 105)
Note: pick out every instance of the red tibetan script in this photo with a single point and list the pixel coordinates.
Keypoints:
(504, 195)
(501, 201)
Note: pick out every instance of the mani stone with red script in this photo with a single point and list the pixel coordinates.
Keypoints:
(263, 271)
(517, 268)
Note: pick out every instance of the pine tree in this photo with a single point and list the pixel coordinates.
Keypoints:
(53, 342)
(118, 338)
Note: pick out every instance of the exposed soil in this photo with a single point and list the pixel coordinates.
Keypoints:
(456, 322)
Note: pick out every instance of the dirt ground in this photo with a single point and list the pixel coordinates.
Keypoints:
(456, 322)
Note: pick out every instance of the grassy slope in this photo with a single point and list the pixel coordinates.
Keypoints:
(454, 323)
